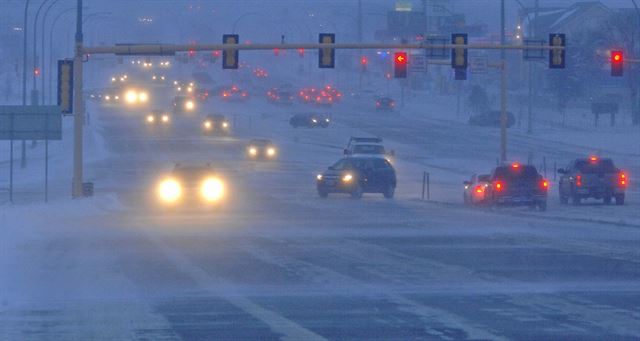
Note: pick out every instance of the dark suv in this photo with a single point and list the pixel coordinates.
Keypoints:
(592, 178)
(358, 175)
(517, 185)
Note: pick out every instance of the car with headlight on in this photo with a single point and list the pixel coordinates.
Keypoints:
(182, 104)
(261, 149)
(158, 117)
(216, 124)
(191, 186)
(385, 103)
(309, 120)
(358, 175)
(475, 189)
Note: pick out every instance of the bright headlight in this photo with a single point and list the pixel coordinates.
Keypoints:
(253, 151)
(131, 96)
(207, 124)
(347, 178)
(271, 151)
(170, 190)
(314, 120)
(165, 118)
(225, 125)
(107, 97)
(212, 189)
(151, 118)
(319, 176)
(189, 105)
(143, 97)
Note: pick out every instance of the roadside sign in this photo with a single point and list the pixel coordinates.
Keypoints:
(65, 86)
(478, 64)
(30, 122)
(418, 63)
(437, 52)
(535, 54)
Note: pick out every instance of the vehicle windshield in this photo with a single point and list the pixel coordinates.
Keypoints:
(368, 149)
(595, 167)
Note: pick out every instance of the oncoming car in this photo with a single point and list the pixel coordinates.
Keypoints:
(261, 149)
(358, 175)
(216, 124)
(183, 104)
(309, 121)
(191, 186)
(157, 117)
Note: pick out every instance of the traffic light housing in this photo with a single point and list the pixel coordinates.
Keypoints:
(459, 55)
(617, 63)
(230, 56)
(400, 65)
(557, 56)
(363, 63)
(327, 56)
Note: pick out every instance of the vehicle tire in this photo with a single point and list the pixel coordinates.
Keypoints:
(607, 200)
(620, 199)
(575, 200)
(389, 192)
(542, 206)
(323, 194)
(356, 193)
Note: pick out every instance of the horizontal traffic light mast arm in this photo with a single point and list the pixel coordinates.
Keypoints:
(169, 49)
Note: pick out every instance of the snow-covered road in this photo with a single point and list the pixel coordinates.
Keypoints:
(277, 262)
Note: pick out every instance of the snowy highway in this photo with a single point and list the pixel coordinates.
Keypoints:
(275, 261)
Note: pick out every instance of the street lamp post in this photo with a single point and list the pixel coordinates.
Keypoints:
(42, 54)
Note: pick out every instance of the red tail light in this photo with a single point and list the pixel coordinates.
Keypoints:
(622, 180)
(499, 186)
(479, 189)
(578, 180)
(544, 184)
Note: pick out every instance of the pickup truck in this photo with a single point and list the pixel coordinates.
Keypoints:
(592, 177)
(367, 146)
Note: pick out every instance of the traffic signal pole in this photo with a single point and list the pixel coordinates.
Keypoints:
(78, 116)
(503, 88)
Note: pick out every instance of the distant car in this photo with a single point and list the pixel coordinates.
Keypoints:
(367, 146)
(234, 94)
(158, 117)
(202, 95)
(358, 175)
(216, 124)
(309, 121)
(592, 177)
(191, 185)
(385, 103)
(261, 149)
(324, 99)
(183, 104)
(475, 190)
(491, 119)
(279, 96)
(517, 185)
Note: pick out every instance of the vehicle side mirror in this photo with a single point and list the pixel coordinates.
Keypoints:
(562, 171)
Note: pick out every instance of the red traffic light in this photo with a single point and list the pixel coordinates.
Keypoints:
(364, 60)
(36, 72)
(616, 56)
(617, 63)
(301, 52)
(400, 67)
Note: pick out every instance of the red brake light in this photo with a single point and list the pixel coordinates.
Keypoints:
(593, 159)
(544, 184)
(515, 165)
(623, 179)
(578, 180)
(499, 186)
(479, 189)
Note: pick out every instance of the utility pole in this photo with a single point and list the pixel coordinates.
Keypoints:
(360, 41)
(531, 66)
(23, 160)
(78, 116)
(503, 88)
